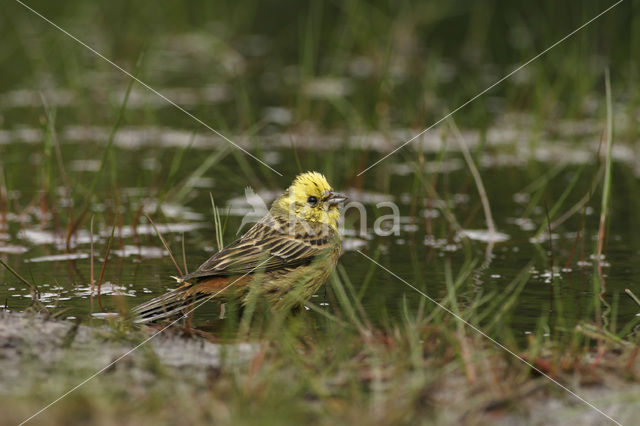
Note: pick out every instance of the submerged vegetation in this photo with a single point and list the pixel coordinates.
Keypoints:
(514, 263)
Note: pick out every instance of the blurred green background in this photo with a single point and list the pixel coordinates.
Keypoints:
(349, 65)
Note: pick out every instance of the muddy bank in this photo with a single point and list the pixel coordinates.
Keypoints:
(33, 345)
(174, 379)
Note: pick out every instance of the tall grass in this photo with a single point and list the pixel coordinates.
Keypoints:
(89, 196)
(606, 186)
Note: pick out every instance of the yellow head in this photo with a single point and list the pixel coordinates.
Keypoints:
(310, 198)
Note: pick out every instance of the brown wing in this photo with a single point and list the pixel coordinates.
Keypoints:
(266, 247)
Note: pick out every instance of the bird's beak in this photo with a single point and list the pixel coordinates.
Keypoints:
(333, 198)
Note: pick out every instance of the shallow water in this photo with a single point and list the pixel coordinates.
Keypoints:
(33, 240)
(164, 163)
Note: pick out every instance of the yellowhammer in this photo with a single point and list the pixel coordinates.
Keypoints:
(285, 257)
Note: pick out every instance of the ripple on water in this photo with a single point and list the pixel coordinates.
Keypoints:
(104, 315)
(485, 235)
(163, 228)
(13, 249)
(59, 257)
(40, 237)
(149, 252)
(106, 288)
(352, 244)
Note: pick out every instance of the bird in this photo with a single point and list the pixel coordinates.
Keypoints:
(284, 258)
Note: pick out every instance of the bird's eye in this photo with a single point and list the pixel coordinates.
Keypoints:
(312, 200)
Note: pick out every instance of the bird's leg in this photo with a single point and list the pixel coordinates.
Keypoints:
(188, 323)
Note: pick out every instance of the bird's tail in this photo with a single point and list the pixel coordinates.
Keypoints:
(175, 302)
